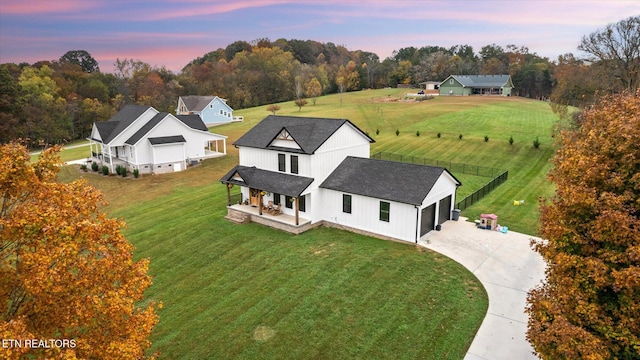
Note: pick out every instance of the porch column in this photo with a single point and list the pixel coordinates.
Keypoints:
(260, 203)
(229, 186)
(297, 217)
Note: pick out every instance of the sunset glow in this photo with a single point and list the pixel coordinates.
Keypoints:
(171, 33)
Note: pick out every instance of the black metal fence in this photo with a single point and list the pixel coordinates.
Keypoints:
(483, 191)
(477, 170)
(498, 176)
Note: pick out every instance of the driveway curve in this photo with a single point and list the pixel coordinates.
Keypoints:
(508, 268)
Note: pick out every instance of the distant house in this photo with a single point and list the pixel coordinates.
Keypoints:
(477, 85)
(317, 171)
(140, 137)
(429, 85)
(211, 109)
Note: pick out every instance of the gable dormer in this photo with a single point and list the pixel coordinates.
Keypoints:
(285, 140)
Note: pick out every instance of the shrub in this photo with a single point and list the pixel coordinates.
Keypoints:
(511, 140)
(83, 167)
(418, 133)
(439, 135)
(105, 170)
(460, 137)
(120, 169)
(123, 172)
(377, 131)
(136, 173)
(536, 143)
(397, 132)
(94, 166)
(486, 138)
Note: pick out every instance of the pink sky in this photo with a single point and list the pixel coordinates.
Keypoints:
(171, 33)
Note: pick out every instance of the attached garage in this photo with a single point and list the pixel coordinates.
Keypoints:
(444, 210)
(428, 216)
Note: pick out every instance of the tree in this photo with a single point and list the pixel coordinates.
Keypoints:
(300, 103)
(66, 270)
(273, 108)
(589, 305)
(82, 58)
(314, 89)
(618, 46)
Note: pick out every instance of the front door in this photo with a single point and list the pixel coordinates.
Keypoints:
(254, 197)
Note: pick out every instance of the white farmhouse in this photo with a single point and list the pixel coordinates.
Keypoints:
(141, 137)
(296, 173)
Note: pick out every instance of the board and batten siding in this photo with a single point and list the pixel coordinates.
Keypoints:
(268, 160)
(120, 139)
(444, 186)
(365, 215)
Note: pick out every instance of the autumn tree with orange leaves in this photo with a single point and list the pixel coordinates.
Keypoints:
(589, 306)
(69, 287)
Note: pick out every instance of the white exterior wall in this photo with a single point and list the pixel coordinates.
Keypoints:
(365, 215)
(268, 160)
(133, 128)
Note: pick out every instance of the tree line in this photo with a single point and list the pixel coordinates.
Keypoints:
(57, 101)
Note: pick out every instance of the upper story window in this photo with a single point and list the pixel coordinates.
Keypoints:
(282, 166)
(451, 81)
(294, 164)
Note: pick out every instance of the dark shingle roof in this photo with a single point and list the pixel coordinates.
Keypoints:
(167, 140)
(125, 117)
(382, 179)
(193, 121)
(196, 102)
(482, 81)
(276, 182)
(309, 133)
(146, 128)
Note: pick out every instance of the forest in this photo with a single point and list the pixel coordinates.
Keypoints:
(57, 101)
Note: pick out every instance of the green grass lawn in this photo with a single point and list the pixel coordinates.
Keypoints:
(247, 291)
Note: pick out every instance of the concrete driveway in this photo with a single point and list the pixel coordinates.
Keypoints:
(507, 267)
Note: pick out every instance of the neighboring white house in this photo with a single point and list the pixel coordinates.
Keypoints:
(211, 109)
(318, 170)
(141, 137)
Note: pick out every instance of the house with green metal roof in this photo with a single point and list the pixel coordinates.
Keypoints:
(463, 85)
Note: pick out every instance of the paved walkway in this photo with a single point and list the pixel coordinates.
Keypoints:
(508, 268)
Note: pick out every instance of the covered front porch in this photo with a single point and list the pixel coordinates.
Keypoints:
(247, 213)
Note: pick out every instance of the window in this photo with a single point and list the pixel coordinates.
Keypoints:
(346, 203)
(451, 81)
(302, 204)
(220, 111)
(282, 166)
(384, 211)
(288, 202)
(276, 199)
(294, 164)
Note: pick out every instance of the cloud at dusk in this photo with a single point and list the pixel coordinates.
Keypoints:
(171, 33)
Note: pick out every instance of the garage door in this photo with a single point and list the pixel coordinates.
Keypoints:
(428, 219)
(444, 213)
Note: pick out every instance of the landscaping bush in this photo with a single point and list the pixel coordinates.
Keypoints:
(486, 138)
(536, 143)
(377, 131)
(120, 169)
(94, 166)
(397, 132)
(460, 137)
(83, 167)
(439, 135)
(418, 133)
(105, 170)
(123, 172)
(511, 140)
(136, 173)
